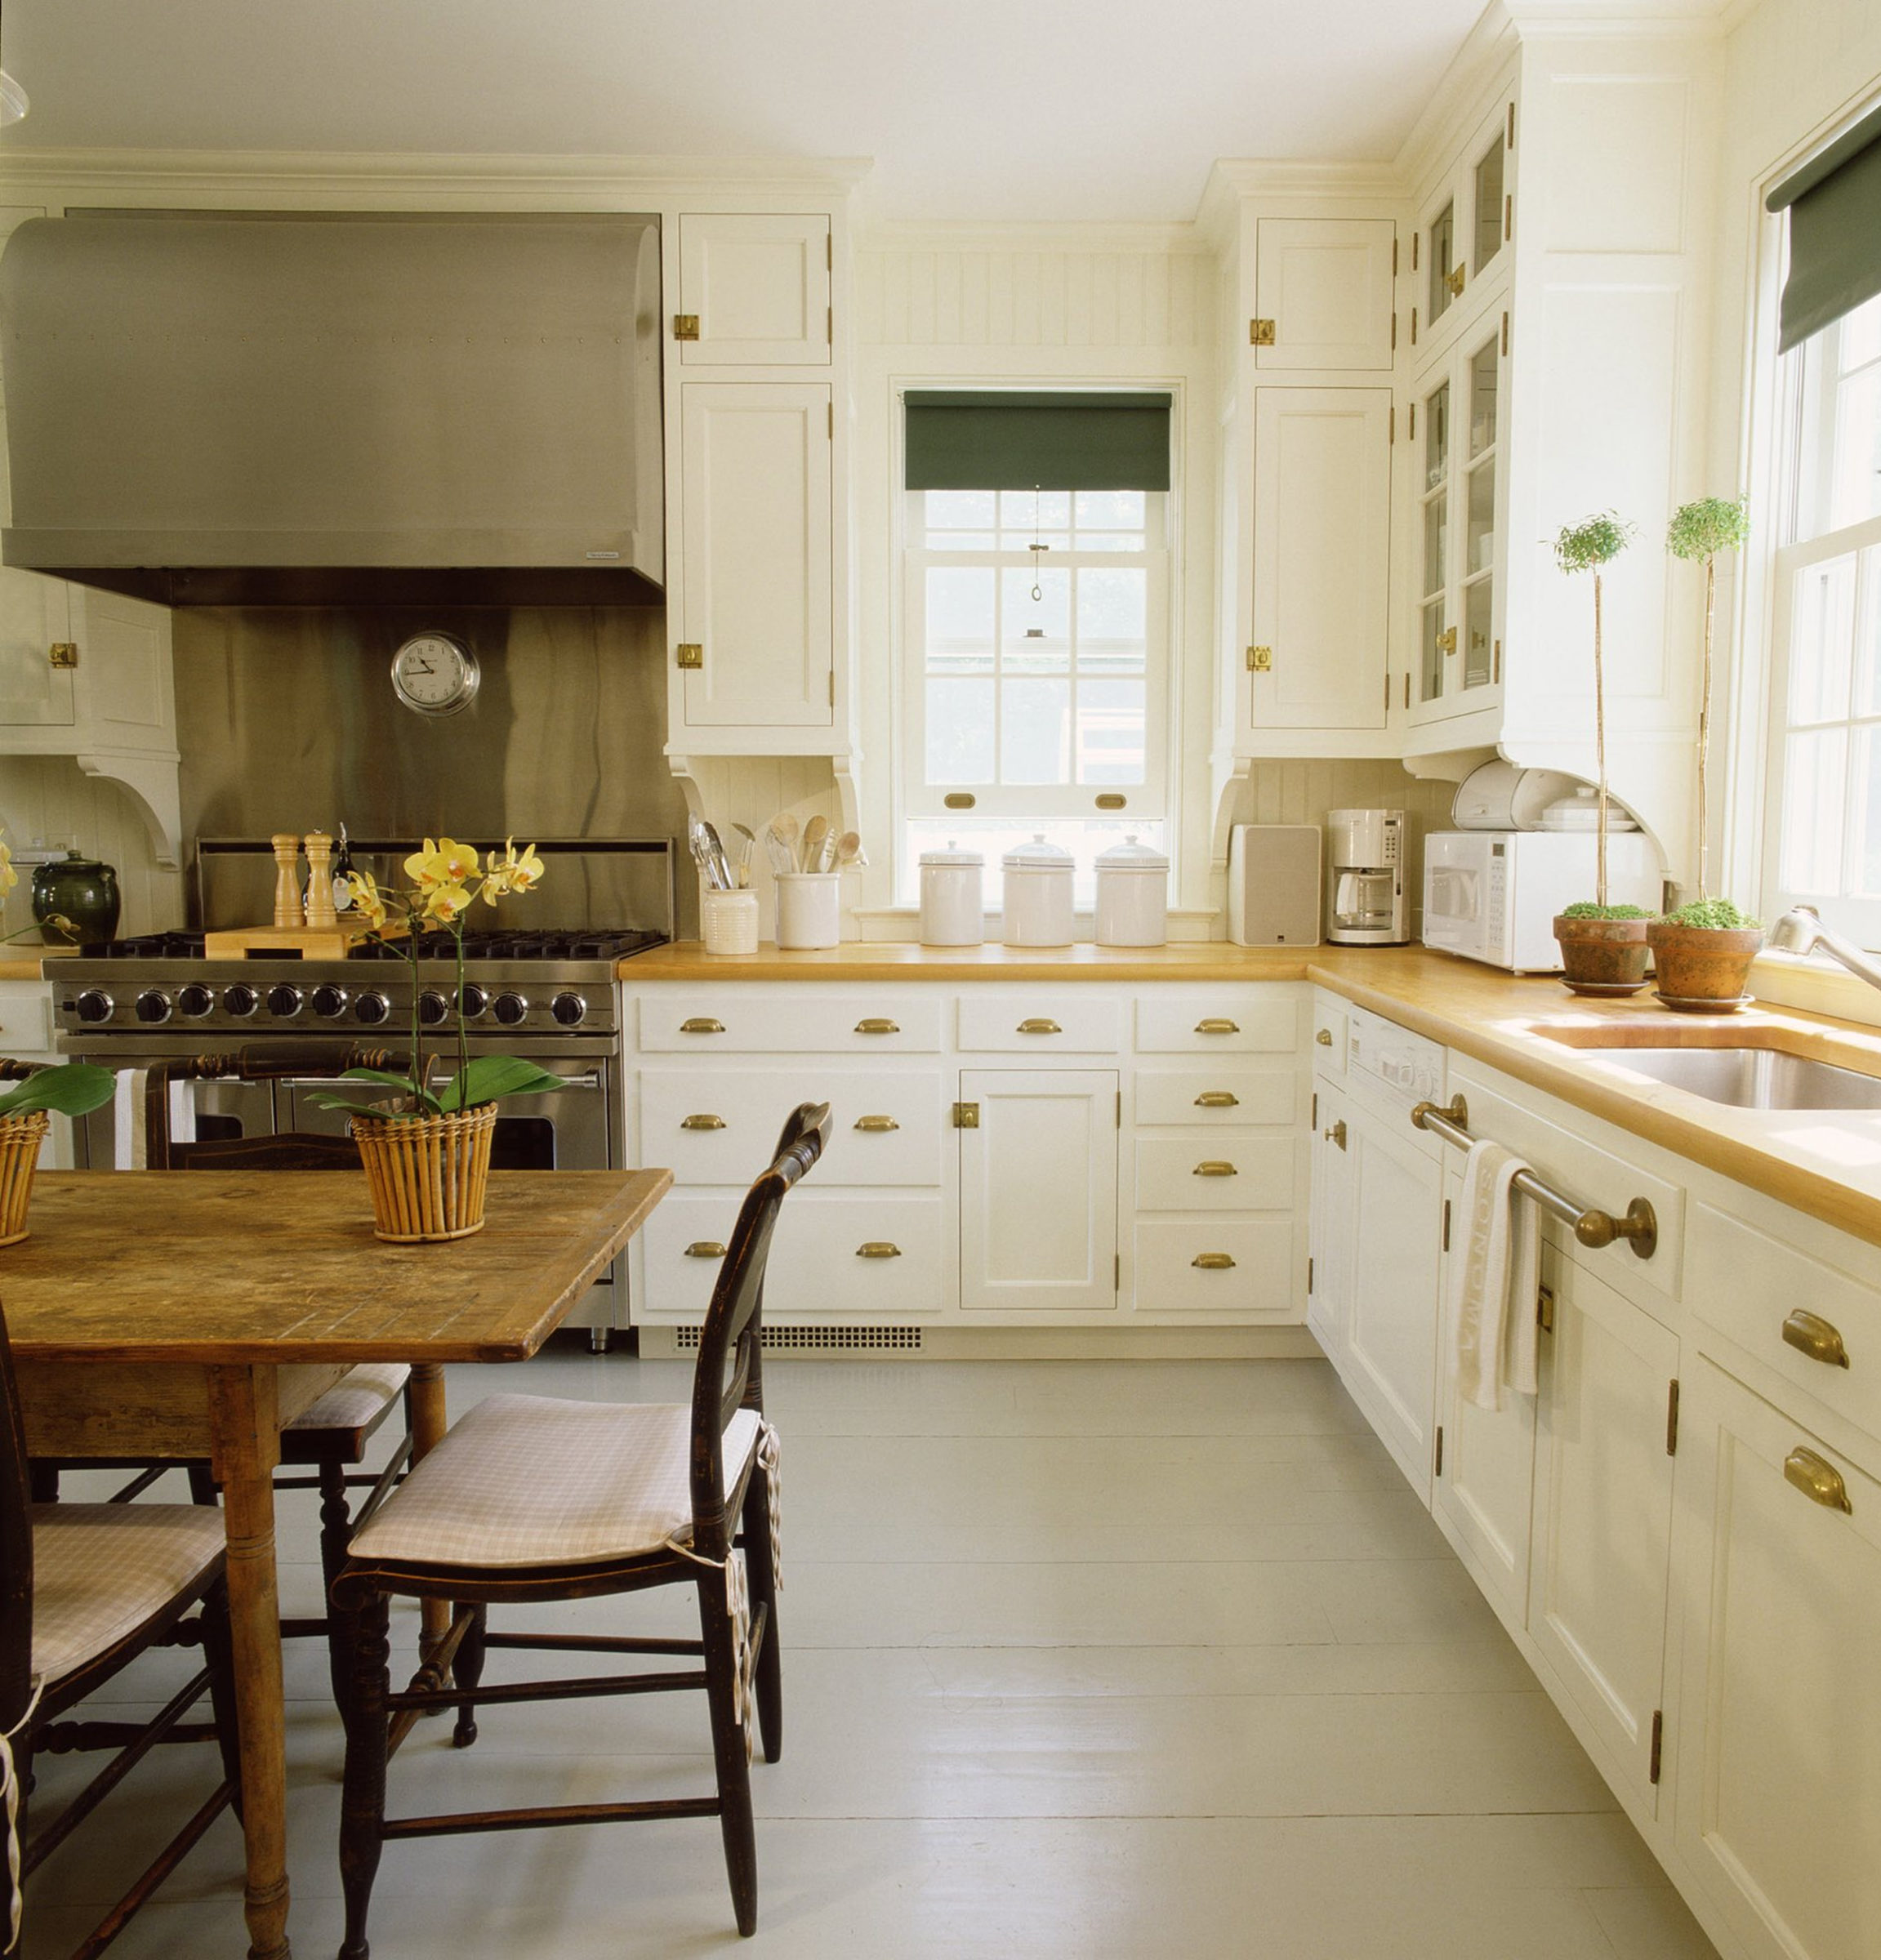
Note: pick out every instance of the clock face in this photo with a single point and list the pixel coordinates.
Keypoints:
(435, 673)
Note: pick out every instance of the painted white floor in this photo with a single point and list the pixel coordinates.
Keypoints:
(1117, 1661)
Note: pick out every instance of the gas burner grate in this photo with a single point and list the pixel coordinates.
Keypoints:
(149, 945)
(573, 945)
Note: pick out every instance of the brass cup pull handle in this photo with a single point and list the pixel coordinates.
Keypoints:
(1215, 1026)
(1323, 1036)
(1809, 1334)
(1213, 1262)
(878, 1249)
(702, 1024)
(1817, 1479)
(1040, 1025)
(875, 1025)
(705, 1249)
(1218, 1098)
(876, 1123)
(702, 1122)
(1336, 1134)
(1214, 1167)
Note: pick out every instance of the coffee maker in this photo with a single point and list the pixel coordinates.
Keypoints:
(1366, 901)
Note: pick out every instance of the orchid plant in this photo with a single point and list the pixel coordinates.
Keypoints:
(447, 879)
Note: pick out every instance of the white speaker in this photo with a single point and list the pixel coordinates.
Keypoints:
(1273, 895)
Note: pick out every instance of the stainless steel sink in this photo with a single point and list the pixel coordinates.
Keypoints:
(1749, 1078)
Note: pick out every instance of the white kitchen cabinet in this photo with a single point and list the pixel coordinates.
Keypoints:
(1329, 1280)
(752, 632)
(26, 1035)
(1603, 1476)
(1038, 1196)
(33, 693)
(1466, 225)
(1323, 286)
(757, 288)
(1779, 1795)
(1321, 555)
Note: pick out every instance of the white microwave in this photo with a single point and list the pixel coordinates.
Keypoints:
(1493, 895)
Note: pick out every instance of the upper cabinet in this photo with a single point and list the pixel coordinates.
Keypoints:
(1323, 294)
(754, 290)
(1465, 226)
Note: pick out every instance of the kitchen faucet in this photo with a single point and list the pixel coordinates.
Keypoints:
(1801, 930)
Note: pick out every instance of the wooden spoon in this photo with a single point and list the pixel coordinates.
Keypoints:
(780, 842)
(815, 831)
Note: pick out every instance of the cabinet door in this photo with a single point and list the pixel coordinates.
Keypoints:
(1397, 1237)
(1603, 1514)
(1485, 1487)
(755, 597)
(1321, 557)
(124, 646)
(759, 288)
(1325, 285)
(1779, 1764)
(1328, 1287)
(1038, 1190)
(33, 693)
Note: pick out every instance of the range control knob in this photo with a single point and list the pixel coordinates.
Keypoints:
(94, 1005)
(329, 1000)
(152, 1005)
(475, 1000)
(511, 1009)
(433, 1006)
(371, 1009)
(284, 1001)
(195, 999)
(241, 999)
(570, 1009)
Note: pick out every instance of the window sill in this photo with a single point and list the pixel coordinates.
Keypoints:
(1815, 986)
(891, 924)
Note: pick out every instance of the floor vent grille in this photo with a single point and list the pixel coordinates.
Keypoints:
(687, 1339)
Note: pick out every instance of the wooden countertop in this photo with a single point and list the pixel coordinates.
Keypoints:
(26, 963)
(1827, 1163)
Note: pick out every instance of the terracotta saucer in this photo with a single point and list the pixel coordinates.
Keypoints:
(1681, 1004)
(1604, 990)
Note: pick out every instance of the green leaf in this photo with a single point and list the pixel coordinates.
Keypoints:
(373, 1109)
(428, 1104)
(489, 1078)
(380, 1075)
(72, 1090)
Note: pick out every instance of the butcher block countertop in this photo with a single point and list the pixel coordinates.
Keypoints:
(1825, 1162)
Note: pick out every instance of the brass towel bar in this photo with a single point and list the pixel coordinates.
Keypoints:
(1639, 1227)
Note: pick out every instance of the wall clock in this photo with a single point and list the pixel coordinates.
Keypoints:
(435, 673)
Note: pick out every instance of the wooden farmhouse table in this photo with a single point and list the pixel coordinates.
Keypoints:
(171, 1314)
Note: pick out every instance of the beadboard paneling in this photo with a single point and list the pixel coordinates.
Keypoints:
(48, 799)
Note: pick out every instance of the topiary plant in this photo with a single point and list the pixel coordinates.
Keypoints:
(1699, 530)
(1585, 910)
(1585, 547)
(1712, 916)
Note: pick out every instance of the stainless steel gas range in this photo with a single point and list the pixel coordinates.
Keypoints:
(547, 994)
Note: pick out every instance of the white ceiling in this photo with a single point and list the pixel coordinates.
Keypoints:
(980, 109)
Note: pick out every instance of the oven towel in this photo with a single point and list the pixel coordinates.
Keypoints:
(130, 1142)
(1493, 1281)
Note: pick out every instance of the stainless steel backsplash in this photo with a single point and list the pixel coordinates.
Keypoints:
(288, 722)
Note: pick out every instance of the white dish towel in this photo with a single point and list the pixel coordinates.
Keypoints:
(1493, 1279)
(130, 1140)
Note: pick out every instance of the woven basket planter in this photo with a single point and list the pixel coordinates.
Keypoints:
(19, 1140)
(428, 1175)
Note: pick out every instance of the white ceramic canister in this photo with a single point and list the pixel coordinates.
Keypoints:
(1037, 903)
(728, 921)
(1132, 895)
(809, 911)
(953, 899)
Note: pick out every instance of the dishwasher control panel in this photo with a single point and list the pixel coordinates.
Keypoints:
(1406, 1066)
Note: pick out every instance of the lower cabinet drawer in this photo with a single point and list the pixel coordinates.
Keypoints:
(744, 1019)
(1219, 1097)
(1038, 1022)
(1228, 1020)
(833, 1256)
(1214, 1173)
(1237, 1265)
(719, 1126)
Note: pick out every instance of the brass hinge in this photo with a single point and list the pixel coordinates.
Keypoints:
(830, 324)
(1438, 1472)
(1394, 258)
(1658, 1745)
(1508, 217)
(1260, 660)
(1544, 1308)
(1309, 1277)
(1410, 430)
(832, 419)
(1120, 1109)
(832, 687)
(829, 251)
(1446, 1224)
(1414, 238)
(1388, 693)
(685, 326)
(1116, 1274)
(689, 653)
(1496, 663)
(1394, 327)
(1260, 332)
(63, 653)
(1407, 689)
(1672, 1418)
(1313, 1121)
(1505, 336)
(1391, 413)
(1413, 326)
(966, 1115)
(1512, 126)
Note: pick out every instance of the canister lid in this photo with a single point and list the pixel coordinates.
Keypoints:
(1131, 856)
(1038, 856)
(953, 854)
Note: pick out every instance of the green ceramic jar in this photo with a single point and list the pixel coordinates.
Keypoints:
(81, 889)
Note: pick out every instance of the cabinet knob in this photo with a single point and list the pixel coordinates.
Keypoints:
(1336, 1134)
(878, 1249)
(1218, 1098)
(1323, 1036)
(876, 1125)
(1809, 1334)
(702, 1024)
(875, 1025)
(1817, 1479)
(702, 1122)
(1217, 1027)
(1214, 1167)
(705, 1249)
(1039, 1026)
(1213, 1262)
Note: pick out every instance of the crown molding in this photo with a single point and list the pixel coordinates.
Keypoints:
(1047, 235)
(1474, 74)
(1623, 19)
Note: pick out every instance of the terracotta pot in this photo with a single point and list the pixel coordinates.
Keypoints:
(428, 1175)
(1604, 957)
(1703, 969)
(19, 1140)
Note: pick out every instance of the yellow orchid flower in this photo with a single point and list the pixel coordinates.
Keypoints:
(447, 903)
(8, 876)
(524, 871)
(422, 866)
(441, 863)
(368, 900)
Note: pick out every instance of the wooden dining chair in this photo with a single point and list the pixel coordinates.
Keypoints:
(527, 1499)
(85, 1590)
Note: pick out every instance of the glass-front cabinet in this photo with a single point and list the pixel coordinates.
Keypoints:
(1469, 221)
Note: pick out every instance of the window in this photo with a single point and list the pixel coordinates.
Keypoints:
(1035, 637)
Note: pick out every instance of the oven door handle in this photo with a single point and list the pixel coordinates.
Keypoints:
(590, 1079)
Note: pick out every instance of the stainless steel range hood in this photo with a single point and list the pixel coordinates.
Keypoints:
(214, 408)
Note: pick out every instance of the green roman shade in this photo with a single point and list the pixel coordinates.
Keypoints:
(1834, 207)
(987, 440)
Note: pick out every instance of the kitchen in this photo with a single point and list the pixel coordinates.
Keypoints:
(1168, 1593)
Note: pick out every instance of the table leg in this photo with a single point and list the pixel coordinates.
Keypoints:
(246, 1432)
(429, 1421)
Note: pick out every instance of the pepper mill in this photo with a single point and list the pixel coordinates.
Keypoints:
(320, 908)
(287, 914)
